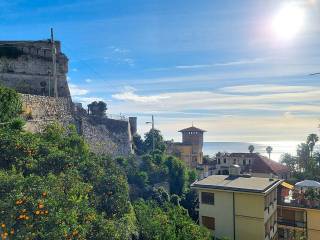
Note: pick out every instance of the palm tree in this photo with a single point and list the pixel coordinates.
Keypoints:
(251, 148)
(311, 141)
(269, 150)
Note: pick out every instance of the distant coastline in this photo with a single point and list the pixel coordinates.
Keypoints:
(279, 148)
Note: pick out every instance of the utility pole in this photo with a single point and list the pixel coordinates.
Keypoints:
(54, 65)
(153, 143)
(153, 133)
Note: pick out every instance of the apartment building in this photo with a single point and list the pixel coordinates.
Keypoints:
(298, 213)
(238, 207)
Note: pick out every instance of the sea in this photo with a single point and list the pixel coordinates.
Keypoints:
(279, 148)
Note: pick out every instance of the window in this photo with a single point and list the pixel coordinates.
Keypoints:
(207, 198)
(234, 161)
(218, 160)
(208, 222)
(224, 160)
(244, 162)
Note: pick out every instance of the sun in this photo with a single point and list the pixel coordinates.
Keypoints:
(287, 23)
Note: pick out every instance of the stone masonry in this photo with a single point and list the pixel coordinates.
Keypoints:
(27, 67)
(104, 135)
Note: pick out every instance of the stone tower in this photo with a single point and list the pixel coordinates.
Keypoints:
(27, 67)
(194, 137)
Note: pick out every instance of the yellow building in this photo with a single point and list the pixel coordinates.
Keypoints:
(190, 149)
(238, 207)
(298, 217)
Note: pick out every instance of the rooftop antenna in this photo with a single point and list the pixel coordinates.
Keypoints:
(54, 65)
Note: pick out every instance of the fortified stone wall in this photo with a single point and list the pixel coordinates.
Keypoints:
(107, 136)
(27, 67)
(104, 135)
(40, 110)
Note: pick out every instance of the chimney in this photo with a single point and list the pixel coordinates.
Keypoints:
(234, 170)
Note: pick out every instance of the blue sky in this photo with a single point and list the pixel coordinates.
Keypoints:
(215, 63)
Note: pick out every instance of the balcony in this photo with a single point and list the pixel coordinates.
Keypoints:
(292, 223)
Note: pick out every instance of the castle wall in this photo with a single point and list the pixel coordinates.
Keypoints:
(107, 136)
(104, 135)
(40, 111)
(27, 67)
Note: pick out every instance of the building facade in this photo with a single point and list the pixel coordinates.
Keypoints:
(250, 163)
(238, 207)
(298, 215)
(190, 149)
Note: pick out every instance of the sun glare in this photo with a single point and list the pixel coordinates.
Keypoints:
(288, 22)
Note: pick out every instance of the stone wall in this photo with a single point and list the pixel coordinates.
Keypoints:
(40, 110)
(107, 136)
(104, 135)
(27, 67)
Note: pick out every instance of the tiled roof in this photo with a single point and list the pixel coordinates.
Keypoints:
(262, 164)
(237, 183)
(192, 129)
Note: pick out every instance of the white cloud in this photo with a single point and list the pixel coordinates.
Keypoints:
(77, 91)
(214, 100)
(231, 63)
(129, 95)
(88, 80)
(87, 100)
(74, 70)
(267, 88)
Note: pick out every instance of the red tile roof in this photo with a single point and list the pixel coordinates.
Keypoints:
(263, 164)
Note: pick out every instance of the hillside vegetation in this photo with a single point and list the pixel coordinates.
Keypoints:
(53, 187)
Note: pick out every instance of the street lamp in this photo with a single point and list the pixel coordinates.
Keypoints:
(152, 128)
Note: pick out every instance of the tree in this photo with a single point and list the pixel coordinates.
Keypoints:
(311, 141)
(154, 135)
(10, 104)
(290, 161)
(138, 145)
(167, 222)
(269, 150)
(303, 154)
(178, 175)
(97, 108)
(251, 148)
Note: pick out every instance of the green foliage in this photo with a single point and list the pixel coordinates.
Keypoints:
(52, 187)
(10, 104)
(312, 139)
(269, 149)
(97, 108)
(175, 199)
(177, 175)
(138, 144)
(154, 135)
(290, 161)
(306, 164)
(251, 148)
(167, 222)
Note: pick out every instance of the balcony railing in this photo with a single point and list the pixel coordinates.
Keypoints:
(300, 203)
(292, 223)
